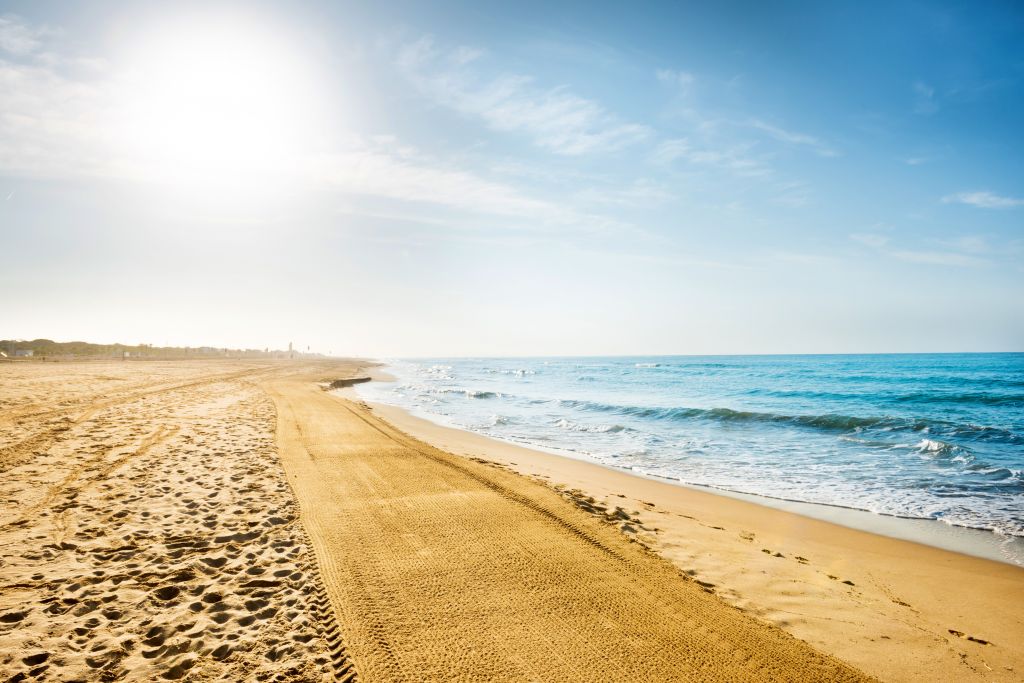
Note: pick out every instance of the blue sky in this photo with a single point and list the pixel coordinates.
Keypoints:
(447, 179)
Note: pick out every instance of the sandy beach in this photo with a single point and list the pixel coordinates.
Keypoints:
(898, 610)
(232, 520)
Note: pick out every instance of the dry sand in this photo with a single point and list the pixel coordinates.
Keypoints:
(898, 610)
(146, 530)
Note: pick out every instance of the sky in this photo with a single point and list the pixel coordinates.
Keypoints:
(391, 179)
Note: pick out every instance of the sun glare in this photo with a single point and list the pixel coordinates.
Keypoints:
(223, 108)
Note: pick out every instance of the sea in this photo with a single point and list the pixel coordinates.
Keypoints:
(915, 436)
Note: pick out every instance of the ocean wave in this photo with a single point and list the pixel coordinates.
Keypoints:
(476, 393)
(980, 398)
(825, 422)
(468, 393)
(936, 397)
(519, 372)
(941, 450)
(647, 365)
(578, 427)
(436, 372)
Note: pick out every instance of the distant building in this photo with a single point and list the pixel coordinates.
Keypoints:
(23, 353)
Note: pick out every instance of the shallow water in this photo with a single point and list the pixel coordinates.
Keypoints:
(922, 436)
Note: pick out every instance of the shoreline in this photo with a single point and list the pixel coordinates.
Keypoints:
(971, 541)
(910, 610)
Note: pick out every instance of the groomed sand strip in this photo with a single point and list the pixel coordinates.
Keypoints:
(442, 568)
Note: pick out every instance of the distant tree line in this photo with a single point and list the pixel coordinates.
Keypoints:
(47, 348)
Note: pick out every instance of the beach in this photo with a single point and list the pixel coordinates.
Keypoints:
(898, 610)
(236, 520)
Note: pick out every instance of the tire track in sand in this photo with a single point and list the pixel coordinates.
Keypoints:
(439, 568)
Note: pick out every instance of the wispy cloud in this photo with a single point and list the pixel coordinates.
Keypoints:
(983, 200)
(735, 159)
(869, 239)
(971, 244)
(375, 170)
(956, 257)
(677, 79)
(938, 258)
(640, 193)
(52, 125)
(793, 138)
(794, 194)
(19, 38)
(555, 118)
(925, 101)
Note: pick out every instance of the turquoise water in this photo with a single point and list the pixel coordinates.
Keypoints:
(922, 436)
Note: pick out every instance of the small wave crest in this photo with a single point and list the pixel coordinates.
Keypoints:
(578, 427)
(468, 393)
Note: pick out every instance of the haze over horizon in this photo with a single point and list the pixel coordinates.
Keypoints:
(391, 179)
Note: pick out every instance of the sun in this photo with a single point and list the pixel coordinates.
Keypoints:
(219, 105)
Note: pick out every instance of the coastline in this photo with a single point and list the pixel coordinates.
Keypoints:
(237, 519)
(910, 611)
(955, 537)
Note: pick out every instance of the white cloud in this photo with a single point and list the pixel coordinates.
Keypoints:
(793, 194)
(983, 200)
(735, 159)
(555, 118)
(679, 79)
(924, 99)
(870, 239)
(793, 138)
(669, 150)
(51, 125)
(938, 258)
(957, 257)
(971, 244)
(376, 172)
(639, 194)
(18, 38)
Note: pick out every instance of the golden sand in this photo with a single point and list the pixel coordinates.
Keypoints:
(146, 530)
(231, 520)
